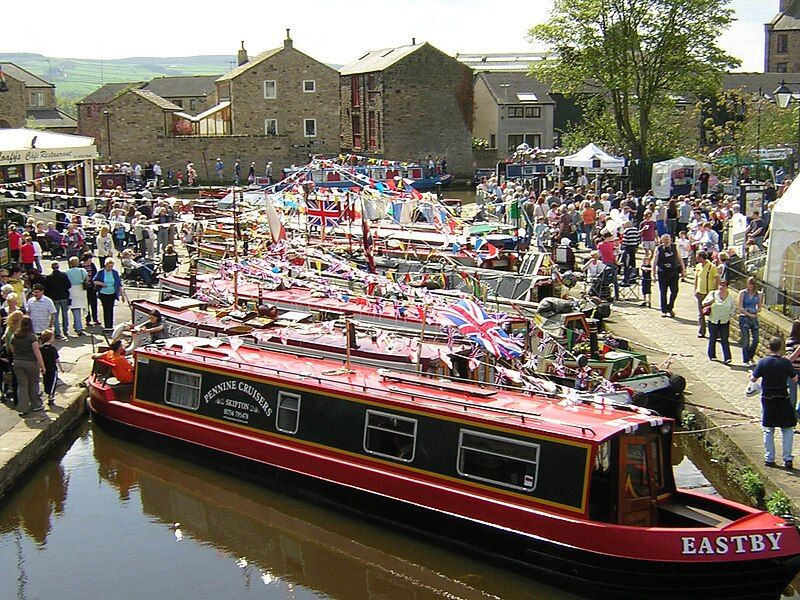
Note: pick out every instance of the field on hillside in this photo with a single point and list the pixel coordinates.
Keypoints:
(76, 78)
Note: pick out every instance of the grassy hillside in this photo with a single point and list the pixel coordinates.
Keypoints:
(75, 78)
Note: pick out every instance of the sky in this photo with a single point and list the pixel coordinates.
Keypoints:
(331, 31)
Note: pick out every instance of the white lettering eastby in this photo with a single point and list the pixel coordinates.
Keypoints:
(738, 544)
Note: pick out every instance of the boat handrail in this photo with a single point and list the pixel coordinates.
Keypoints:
(212, 354)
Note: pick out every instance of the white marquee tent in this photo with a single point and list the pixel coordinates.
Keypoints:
(675, 168)
(783, 254)
(593, 159)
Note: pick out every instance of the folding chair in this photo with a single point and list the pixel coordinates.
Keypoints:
(629, 290)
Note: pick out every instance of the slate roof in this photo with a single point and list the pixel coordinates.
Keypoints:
(518, 83)
(106, 93)
(750, 82)
(250, 63)
(183, 86)
(49, 117)
(26, 77)
(157, 100)
(378, 60)
(787, 20)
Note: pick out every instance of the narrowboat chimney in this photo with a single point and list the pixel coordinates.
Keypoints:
(287, 43)
(594, 348)
(241, 56)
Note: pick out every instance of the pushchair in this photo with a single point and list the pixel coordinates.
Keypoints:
(600, 287)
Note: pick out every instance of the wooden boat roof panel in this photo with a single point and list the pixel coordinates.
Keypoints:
(502, 406)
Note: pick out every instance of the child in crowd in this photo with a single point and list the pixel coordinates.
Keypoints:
(647, 274)
(684, 246)
(52, 365)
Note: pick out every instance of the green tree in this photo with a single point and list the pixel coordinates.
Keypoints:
(638, 54)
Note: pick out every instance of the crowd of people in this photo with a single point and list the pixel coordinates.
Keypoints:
(40, 307)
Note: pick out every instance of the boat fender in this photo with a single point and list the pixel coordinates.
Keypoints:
(677, 383)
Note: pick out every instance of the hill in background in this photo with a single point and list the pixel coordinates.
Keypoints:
(75, 78)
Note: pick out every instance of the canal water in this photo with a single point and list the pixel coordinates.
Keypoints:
(107, 517)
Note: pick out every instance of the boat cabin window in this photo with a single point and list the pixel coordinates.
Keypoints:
(287, 416)
(182, 389)
(504, 461)
(390, 436)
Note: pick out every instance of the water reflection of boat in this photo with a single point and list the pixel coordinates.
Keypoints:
(286, 539)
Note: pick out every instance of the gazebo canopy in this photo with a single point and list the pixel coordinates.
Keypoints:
(592, 158)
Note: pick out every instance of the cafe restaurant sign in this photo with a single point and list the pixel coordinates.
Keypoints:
(44, 155)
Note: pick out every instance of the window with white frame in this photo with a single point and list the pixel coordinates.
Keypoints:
(37, 98)
(287, 417)
(390, 435)
(310, 127)
(309, 85)
(270, 89)
(271, 126)
(182, 389)
(495, 459)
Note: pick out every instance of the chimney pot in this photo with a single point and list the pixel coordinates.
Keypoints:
(241, 56)
(413, 41)
(287, 43)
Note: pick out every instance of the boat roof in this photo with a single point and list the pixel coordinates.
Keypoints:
(488, 405)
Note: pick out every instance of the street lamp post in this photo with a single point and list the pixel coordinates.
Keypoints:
(783, 98)
(108, 137)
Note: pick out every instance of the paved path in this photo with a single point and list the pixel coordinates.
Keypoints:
(714, 390)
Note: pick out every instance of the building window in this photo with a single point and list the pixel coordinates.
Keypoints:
(270, 89)
(782, 46)
(270, 126)
(493, 140)
(287, 416)
(372, 81)
(309, 85)
(355, 91)
(310, 127)
(534, 140)
(37, 98)
(182, 389)
(504, 461)
(533, 112)
(390, 436)
(178, 102)
(89, 111)
(356, 121)
(781, 68)
(192, 104)
(524, 112)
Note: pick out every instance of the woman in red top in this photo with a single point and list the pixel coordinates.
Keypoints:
(14, 242)
(27, 253)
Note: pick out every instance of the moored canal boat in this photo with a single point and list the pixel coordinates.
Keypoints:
(570, 488)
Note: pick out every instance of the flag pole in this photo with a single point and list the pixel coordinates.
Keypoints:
(422, 337)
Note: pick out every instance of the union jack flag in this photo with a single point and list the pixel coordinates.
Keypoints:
(323, 213)
(473, 322)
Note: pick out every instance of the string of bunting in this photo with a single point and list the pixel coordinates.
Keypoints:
(44, 179)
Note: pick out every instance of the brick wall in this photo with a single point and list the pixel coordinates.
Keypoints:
(289, 68)
(91, 119)
(791, 58)
(13, 103)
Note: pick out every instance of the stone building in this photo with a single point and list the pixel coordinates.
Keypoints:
(782, 39)
(285, 95)
(31, 102)
(279, 106)
(92, 108)
(407, 103)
